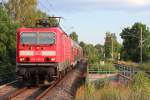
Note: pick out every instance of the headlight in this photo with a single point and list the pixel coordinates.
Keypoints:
(22, 59)
(53, 59)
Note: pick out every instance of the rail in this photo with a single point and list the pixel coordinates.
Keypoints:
(17, 92)
(47, 90)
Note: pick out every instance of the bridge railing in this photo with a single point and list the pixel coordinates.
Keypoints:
(123, 72)
(101, 69)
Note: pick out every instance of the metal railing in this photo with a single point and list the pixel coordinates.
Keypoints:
(124, 72)
(97, 69)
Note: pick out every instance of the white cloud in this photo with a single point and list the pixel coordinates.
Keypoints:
(125, 2)
(138, 2)
(97, 5)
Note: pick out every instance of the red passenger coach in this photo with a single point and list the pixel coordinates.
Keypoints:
(45, 53)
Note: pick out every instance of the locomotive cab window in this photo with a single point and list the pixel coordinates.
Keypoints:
(28, 38)
(46, 38)
(37, 38)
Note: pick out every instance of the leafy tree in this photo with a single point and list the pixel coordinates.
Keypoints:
(92, 54)
(74, 36)
(22, 8)
(26, 12)
(100, 49)
(131, 42)
(111, 40)
(83, 45)
(7, 41)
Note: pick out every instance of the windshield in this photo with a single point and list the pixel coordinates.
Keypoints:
(46, 38)
(29, 38)
(37, 38)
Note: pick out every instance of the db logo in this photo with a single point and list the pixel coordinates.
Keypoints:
(37, 53)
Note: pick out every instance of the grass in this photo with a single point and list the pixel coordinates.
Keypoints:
(146, 66)
(108, 92)
(138, 89)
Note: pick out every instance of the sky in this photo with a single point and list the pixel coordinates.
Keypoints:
(91, 19)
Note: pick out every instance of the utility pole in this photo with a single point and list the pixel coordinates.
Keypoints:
(141, 41)
(112, 48)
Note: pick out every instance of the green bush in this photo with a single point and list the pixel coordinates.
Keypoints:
(140, 87)
(145, 66)
(140, 82)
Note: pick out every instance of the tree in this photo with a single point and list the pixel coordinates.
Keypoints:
(22, 8)
(83, 45)
(92, 54)
(74, 36)
(131, 42)
(25, 11)
(7, 41)
(100, 49)
(112, 47)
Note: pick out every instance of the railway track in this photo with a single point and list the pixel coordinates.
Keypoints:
(9, 88)
(65, 87)
(29, 93)
(10, 91)
(47, 90)
(26, 93)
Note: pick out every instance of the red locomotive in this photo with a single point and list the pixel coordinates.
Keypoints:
(45, 53)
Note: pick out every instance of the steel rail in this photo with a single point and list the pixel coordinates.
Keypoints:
(16, 93)
(47, 90)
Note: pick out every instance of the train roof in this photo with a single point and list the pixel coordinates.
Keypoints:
(40, 29)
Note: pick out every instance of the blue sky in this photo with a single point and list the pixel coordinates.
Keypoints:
(91, 19)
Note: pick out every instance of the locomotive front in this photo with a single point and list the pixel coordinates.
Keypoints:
(36, 54)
